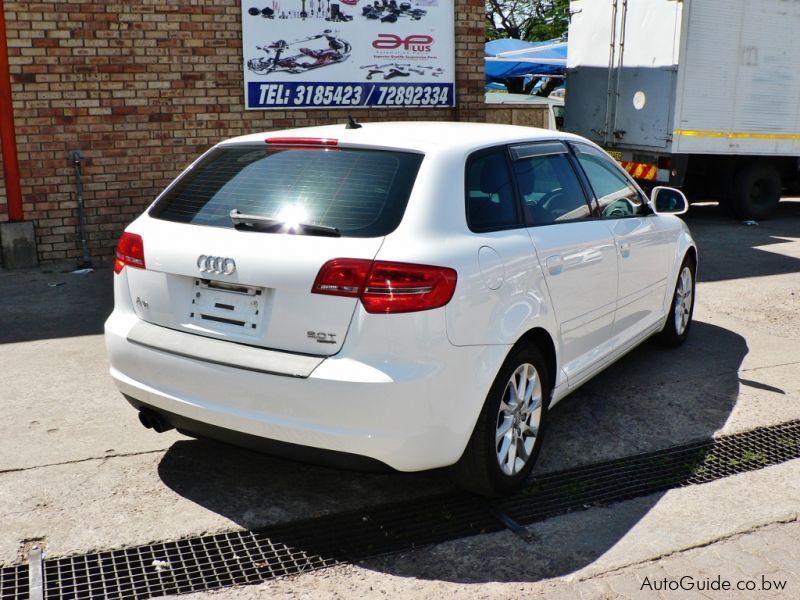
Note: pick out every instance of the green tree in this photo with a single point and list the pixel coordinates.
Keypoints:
(531, 20)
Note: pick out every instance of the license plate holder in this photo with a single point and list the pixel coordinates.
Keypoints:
(227, 308)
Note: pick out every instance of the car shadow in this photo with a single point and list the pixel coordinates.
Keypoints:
(737, 249)
(255, 490)
(654, 398)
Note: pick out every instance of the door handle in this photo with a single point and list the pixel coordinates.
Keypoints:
(592, 256)
(554, 264)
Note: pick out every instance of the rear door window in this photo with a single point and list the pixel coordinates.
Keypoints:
(491, 203)
(361, 192)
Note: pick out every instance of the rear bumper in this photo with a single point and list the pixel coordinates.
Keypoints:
(408, 412)
(307, 454)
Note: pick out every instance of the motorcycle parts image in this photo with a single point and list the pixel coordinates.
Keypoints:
(396, 73)
(394, 70)
(335, 14)
(305, 9)
(265, 12)
(293, 57)
(389, 11)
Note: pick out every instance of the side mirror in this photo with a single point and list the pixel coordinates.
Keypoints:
(665, 200)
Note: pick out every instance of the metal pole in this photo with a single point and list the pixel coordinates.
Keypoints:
(35, 574)
(611, 54)
(621, 65)
(76, 157)
(9, 141)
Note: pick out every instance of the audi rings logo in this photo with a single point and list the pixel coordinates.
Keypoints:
(218, 265)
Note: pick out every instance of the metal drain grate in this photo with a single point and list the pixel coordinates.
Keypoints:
(245, 557)
(14, 583)
(605, 483)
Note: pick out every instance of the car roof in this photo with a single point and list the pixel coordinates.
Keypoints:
(421, 136)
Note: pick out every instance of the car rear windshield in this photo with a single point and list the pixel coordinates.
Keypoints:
(361, 192)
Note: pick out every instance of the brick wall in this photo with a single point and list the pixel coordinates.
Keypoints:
(141, 88)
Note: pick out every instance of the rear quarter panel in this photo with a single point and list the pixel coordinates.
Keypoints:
(500, 294)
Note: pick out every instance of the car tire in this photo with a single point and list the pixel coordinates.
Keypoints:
(508, 434)
(679, 318)
(756, 191)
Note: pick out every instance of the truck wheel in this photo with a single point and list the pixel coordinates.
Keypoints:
(756, 191)
(508, 434)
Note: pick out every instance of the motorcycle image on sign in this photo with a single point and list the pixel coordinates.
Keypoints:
(292, 58)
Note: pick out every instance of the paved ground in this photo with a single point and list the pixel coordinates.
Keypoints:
(77, 471)
(762, 563)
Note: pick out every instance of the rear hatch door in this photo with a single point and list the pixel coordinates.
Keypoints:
(248, 279)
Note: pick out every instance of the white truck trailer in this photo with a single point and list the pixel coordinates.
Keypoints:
(698, 94)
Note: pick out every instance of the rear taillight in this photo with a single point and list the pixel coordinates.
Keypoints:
(130, 252)
(387, 287)
(399, 287)
(342, 277)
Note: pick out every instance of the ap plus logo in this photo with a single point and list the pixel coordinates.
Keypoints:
(414, 43)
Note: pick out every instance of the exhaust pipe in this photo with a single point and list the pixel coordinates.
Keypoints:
(152, 420)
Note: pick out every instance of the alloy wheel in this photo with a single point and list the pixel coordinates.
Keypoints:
(683, 300)
(518, 419)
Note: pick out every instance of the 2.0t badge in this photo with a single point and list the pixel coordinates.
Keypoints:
(322, 338)
(218, 265)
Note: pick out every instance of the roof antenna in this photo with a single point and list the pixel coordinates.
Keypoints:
(352, 124)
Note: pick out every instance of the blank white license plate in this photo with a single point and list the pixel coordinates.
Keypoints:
(227, 308)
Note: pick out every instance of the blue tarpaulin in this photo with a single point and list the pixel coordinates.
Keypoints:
(515, 58)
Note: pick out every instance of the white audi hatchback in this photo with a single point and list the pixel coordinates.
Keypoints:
(416, 295)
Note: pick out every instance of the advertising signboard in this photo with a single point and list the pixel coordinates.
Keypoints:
(348, 53)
